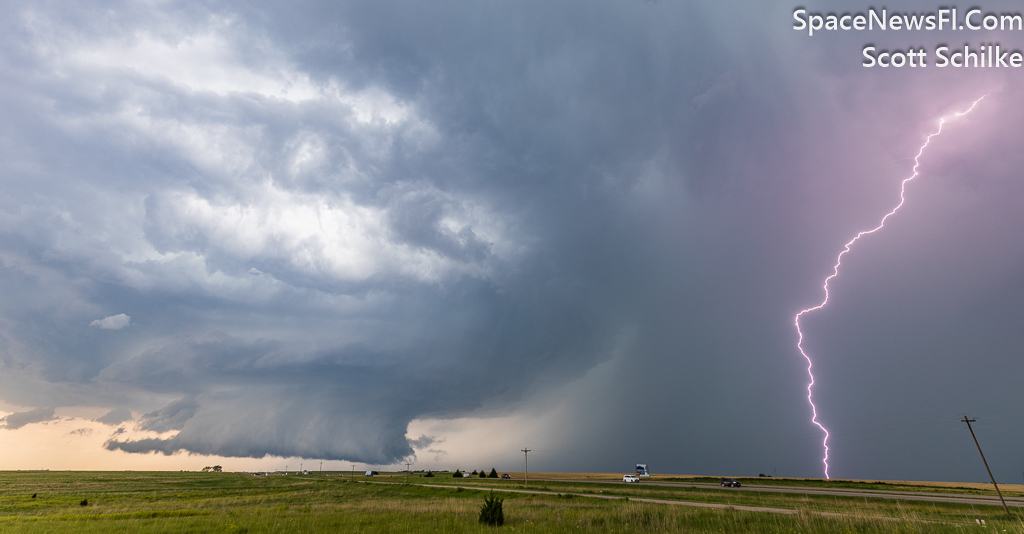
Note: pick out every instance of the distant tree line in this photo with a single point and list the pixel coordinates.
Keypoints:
(480, 473)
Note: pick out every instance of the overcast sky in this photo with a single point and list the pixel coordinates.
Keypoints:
(360, 232)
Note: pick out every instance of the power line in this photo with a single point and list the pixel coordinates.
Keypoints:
(969, 421)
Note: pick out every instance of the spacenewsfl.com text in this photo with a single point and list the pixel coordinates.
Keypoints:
(986, 55)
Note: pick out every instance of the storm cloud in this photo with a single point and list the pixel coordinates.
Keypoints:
(327, 220)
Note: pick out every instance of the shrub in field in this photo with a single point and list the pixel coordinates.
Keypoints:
(85, 502)
(491, 512)
(457, 474)
(428, 475)
(493, 474)
(482, 474)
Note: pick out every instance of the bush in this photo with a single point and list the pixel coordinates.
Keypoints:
(482, 474)
(474, 472)
(494, 473)
(456, 474)
(428, 475)
(491, 512)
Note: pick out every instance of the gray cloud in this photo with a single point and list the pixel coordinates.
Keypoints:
(170, 417)
(17, 420)
(115, 417)
(424, 441)
(113, 322)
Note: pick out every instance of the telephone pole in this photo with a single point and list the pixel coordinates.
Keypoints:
(969, 421)
(407, 472)
(526, 472)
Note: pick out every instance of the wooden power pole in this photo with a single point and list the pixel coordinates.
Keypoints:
(526, 472)
(969, 421)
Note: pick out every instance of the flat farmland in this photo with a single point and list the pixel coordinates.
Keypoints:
(33, 501)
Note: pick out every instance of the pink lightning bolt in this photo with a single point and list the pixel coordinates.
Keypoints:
(839, 261)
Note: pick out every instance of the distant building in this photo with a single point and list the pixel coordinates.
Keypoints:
(642, 471)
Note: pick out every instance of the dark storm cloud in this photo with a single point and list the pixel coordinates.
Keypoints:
(326, 220)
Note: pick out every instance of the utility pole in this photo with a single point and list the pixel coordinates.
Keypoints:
(969, 421)
(321, 469)
(526, 472)
(407, 464)
(353, 471)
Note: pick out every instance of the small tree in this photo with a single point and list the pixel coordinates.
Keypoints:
(456, 474)
(474, 472)
(482, 474)
(218, 469)
(429, 474)
(491, 512)
(493, 474)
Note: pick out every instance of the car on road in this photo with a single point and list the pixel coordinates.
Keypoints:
(505, 476)
(630, 478)
(730, 483)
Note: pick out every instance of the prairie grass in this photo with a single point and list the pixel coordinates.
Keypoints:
(238, 503)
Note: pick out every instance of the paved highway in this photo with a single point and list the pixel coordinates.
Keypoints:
(961, 498)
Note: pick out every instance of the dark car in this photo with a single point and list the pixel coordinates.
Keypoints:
(504, 476)
(730, 483)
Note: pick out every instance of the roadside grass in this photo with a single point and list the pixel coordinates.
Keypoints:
(827, 504)
(230, 502)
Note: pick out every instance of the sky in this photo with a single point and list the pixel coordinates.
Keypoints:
(355, 234)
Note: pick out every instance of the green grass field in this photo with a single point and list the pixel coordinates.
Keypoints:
(232, 502)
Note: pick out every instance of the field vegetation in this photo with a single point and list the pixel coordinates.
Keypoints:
(236, 502)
